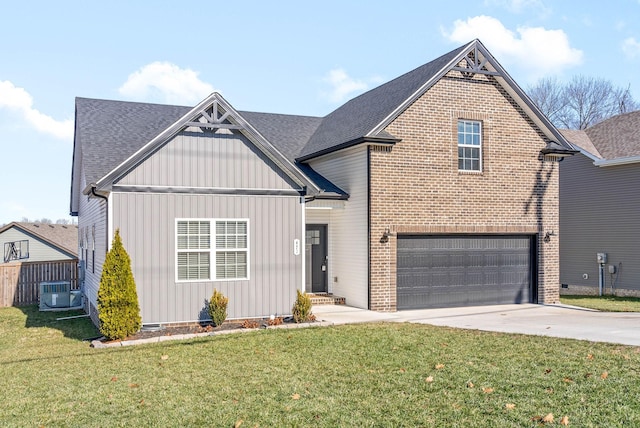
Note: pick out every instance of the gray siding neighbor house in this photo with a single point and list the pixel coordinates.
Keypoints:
(600, 208)
(438, 188)
(38, 242)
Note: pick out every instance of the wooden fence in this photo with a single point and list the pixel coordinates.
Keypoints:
(20, 282)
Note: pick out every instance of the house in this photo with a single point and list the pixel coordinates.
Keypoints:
(438, 188)
(38, 242)
(600, 209)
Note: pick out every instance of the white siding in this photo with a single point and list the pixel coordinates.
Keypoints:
(92, 212)
(348, 227)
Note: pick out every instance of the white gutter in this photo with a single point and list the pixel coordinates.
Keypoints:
(619, 161)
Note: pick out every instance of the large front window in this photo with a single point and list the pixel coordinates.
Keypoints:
(197, 247)
(469, 145)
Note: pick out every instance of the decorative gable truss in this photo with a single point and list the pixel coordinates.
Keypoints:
(476, 59)
(214, 113)
(213, 119)
(475, 62)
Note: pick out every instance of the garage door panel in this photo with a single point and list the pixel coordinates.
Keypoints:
(462, 271)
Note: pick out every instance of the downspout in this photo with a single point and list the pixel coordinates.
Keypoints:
(106, 213)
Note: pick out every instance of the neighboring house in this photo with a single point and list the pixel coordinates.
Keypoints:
(438, 188)
(38, 242)
(600, 208)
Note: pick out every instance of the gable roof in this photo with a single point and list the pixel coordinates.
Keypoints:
(354, 120)
(113, 136)
(225, 116)
(62, 236)
(365, 117)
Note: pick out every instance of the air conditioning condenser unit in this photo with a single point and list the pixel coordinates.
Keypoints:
(54, 295)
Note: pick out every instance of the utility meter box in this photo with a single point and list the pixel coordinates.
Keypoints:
(602, 258)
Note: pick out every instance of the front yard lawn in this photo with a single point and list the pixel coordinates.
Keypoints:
(355, 375)
(604, 303)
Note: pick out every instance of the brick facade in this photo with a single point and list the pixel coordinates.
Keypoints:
(416, 187)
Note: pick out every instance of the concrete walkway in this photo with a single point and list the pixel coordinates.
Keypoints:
(544, 320)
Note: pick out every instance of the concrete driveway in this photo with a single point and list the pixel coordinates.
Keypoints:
(544, 320)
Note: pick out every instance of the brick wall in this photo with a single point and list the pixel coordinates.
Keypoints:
(416, 187)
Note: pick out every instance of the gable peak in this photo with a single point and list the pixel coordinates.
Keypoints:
(477, 60)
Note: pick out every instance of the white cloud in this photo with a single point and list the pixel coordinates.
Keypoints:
(631, 48)
(19, 100)
(165, 82)
(536, 50)
(343, 85)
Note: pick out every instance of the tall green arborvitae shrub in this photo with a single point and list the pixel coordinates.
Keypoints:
(302, 307)
(218, 307)
(118, 307)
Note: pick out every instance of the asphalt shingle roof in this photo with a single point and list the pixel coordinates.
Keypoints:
(110, 131)
(356, 118)
(64, 236)
(580, 138)
(617, 137)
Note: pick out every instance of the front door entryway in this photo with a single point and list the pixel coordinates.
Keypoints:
(316, 258)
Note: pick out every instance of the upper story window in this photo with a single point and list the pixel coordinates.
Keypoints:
(212, 249)
(469, 145)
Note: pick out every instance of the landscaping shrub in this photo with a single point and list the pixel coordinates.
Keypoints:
(302, 308)
(118, 308)
(218, 307)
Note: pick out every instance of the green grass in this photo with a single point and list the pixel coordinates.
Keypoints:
(353, 375)
(604, 303)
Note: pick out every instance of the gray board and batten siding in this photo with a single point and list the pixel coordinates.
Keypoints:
(264, 196)
(203, 159)
(599, 212)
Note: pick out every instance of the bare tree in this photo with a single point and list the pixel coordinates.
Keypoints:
(582, 102)
(62, 221)
(44, 220)
(548, 96)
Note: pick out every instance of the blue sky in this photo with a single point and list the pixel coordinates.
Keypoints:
(278, 56)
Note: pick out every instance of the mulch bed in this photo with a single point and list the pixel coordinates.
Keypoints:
(167, 331)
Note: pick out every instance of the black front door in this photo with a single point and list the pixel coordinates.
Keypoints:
(316, 257)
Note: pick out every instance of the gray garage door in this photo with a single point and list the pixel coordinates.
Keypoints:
(448, 271)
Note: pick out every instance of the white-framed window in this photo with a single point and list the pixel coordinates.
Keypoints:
(469, 145)
(212, 249)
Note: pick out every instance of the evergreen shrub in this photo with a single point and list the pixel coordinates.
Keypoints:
(302, 308)
(218, 308)
(118, 308)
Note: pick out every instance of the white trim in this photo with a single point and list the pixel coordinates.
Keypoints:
(618, 161)
(303, 246)
(109, 224)
(212, 250)
(472, 146)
